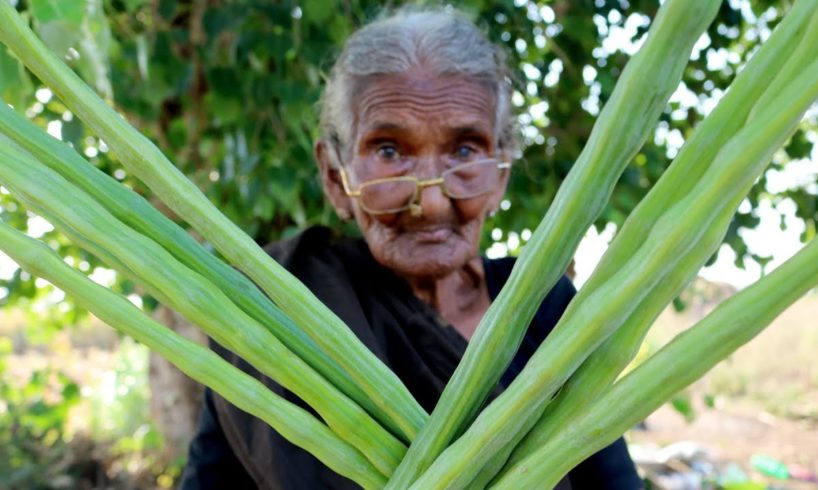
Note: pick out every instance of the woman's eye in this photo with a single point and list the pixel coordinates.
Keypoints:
(387, 152)
(465, 152)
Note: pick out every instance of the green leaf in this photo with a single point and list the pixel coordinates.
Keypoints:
(83, 26)
(318, 12)
(59, 35)
(799, 146)
(167, 8)
(94, 45)
(226, 82)
(72, 132)
(70, 11)
(226, 111)
(133, 5)
(682, 404)
(15, 84)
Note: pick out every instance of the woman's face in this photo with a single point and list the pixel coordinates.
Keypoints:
(421, 125)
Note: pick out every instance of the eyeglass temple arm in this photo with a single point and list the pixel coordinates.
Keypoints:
(345, 182)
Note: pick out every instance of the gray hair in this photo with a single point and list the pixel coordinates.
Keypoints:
(440, 39)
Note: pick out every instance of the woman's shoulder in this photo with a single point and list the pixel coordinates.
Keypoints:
(319, 246)
(305, 243)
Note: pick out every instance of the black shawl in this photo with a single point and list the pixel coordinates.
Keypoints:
(233, 448)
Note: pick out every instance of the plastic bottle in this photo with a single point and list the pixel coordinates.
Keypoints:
(770, 466)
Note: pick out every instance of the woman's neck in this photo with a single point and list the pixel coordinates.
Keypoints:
(460, 297)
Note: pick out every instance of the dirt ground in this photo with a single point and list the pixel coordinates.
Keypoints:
(734, 434)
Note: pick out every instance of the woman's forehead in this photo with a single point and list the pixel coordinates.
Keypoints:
(397, 103)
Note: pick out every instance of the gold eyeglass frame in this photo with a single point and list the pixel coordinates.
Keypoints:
(414, 206)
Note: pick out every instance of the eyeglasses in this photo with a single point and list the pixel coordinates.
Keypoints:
(397, 194)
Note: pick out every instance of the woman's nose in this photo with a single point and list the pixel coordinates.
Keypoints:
(434, 203)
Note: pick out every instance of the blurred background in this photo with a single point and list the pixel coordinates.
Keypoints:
(228, 90)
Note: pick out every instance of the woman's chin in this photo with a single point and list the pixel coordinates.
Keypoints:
(428, 270)
(426, 259)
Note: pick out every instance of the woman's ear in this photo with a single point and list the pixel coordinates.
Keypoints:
(331, 180)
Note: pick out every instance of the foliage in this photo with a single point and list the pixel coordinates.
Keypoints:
(32, 423)
(229, 89)
(117, 447)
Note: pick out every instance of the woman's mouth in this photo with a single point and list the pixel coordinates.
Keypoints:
(432, 235)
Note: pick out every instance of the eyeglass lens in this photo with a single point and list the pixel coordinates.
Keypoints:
(463, 182)
(388, 196)
(471, 180)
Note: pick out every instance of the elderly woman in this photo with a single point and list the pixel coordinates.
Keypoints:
(417, 135)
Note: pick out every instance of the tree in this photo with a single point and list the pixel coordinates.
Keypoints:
(228, 91)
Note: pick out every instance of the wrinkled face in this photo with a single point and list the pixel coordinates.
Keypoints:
(423, 125)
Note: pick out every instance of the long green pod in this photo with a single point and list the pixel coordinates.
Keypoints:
(623, 125)
(496, 464)
(683, 360)
(92, 247)
(584, 326)
(599, 371)
(199, 301)
(198, 362)
(136, 212)
(804, 52)
(730, 115)
(791, 45)
(144, 160)
(602, 367)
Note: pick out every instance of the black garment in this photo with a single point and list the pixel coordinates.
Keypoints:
(235, 450)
